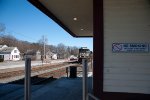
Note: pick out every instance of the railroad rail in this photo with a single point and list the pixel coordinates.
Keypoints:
(7, 77)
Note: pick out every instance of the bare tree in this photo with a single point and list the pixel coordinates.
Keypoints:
(75, 51)
(43, 43)
(8, 40)
(68, 51)
(44, 47)
(2, 31)
(61, 50)
(53, 48)
(2, 28)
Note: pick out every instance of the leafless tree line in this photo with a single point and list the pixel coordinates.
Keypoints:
(61, 50)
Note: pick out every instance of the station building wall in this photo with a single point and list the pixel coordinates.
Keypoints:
(126, 21)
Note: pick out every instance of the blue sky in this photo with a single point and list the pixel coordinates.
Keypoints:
(26, 22)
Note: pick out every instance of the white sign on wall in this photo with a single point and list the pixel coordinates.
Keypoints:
(130, 47)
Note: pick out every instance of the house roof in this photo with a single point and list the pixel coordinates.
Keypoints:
(75, 16)
(31, 52)
(6, 50)
(1, 46)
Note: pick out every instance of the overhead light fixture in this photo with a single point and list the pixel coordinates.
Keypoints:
(74, 18)
(82, 29)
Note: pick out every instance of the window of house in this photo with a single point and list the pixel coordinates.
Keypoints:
(17, 56)
(15, 51)
(1, 56)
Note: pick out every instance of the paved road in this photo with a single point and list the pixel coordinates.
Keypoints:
(15, 64)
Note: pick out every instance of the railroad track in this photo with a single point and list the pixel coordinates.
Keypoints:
(7, 77)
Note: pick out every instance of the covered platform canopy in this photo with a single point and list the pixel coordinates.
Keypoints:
(75, 16)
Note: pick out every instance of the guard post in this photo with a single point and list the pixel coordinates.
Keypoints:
(27, 95)
(84, 79)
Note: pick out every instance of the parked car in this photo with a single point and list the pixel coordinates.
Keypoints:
(72, 57)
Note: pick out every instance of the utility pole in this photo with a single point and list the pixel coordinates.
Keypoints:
(44, 47)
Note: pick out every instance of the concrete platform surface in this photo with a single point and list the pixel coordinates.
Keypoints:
(61, 89)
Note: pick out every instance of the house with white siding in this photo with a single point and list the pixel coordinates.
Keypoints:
(51, 55)
(54, 56)
(9, 53)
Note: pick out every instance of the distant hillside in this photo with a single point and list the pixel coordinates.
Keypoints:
(23, 46)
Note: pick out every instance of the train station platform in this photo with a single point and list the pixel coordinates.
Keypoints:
(59, 89)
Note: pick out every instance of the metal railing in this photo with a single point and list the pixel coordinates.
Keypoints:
(92, 96)
(86, 95)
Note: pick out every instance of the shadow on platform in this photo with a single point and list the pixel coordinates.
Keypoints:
(54, 89)
(62, 89)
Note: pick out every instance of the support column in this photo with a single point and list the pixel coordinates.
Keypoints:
(98, 48)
